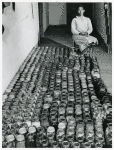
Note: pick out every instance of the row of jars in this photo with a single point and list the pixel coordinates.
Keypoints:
(66, 75)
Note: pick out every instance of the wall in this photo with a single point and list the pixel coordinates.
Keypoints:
(57, 13)
(45, 16)
(99, 20)
(20, 36)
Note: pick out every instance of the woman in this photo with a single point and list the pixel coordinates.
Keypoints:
(81, 29)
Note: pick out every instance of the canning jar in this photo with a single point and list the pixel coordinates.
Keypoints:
(20, 141)
(86, 145)
(44, 142)
(65, 144)
(22, 131)
(54, 144)
(75, 144)
(10, 141)
(61, 111)
(31, 137)
(3, 142)
(98, 145)
(70, 134)
(60, 135)
(50, 132)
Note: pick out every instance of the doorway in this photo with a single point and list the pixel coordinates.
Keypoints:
(72, 11)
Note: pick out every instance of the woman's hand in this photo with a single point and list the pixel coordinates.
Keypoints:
(84, 33)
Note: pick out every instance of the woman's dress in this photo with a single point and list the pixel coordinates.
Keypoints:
(79, 25)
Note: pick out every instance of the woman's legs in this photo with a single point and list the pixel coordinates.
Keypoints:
(84, 41)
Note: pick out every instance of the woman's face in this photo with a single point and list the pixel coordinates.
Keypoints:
(81, 11)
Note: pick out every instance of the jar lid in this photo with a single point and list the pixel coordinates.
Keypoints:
(36, 124)
(28, 123)
(90, 85)
(46, 106)
(85, 90)
(61, 125)
(93, 97)
(10, 138)
(22, 130)
(71, 119)
(20, 137)
(32, 129)
(50, 129)
(84, 85)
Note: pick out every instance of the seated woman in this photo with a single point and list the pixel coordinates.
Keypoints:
(81, 29)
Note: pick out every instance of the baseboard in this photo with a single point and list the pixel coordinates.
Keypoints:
(58, 25)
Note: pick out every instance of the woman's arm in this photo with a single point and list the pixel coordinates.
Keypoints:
(73, 27)
(90, 28)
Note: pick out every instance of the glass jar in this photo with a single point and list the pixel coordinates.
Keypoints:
(20, 141)
(44, 142)
(31, 137)
(60, 135)
(10, 141)
(65, 144)
(87, 145)
(98, 145)
(70, 134)
(61, 111)
(3, 142)
(50, 132)
(75, 144)
(54, 144)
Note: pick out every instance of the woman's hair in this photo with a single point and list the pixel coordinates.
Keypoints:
(81, 5)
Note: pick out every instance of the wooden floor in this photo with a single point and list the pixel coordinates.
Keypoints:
(59, 36)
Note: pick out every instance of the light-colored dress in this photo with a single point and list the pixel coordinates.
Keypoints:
(79, 25)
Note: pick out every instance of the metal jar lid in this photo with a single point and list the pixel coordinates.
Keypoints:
(61, 125)
(32, 129)
(10, 138)
(50, 129)
(90, 85)
(46, 106)
(22, 130)
(20, 138)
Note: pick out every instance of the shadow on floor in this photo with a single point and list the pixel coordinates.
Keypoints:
(61, 33)
(50, 43)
